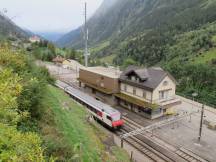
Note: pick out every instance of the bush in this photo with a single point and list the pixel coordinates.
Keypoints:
(21, 87)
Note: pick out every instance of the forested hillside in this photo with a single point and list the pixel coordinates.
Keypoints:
(9, 29)
(168, 33)
(22, 85)
(126, 19)
(39, 122)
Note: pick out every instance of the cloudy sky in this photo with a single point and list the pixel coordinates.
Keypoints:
(48, 15)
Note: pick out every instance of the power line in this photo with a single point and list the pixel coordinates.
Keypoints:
(156, 125)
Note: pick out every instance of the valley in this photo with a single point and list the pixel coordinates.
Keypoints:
(147, 94)
(169, 34)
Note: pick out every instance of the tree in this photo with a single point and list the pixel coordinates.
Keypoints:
(51, 47)
(16, 146)
(128, 62)
(9, 91)
(17, 76)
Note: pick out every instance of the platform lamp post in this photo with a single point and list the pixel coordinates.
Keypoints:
(201, 123)
(193, 95)
(122, 142)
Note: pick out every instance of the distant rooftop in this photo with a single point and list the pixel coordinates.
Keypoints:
(108, 72)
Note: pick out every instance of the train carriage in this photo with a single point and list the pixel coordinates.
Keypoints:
(102, 112)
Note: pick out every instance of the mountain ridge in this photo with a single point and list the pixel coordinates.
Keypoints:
(127, 18)
(9, 28)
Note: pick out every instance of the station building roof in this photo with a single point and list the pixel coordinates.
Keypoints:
(107, 72)
(150, 78)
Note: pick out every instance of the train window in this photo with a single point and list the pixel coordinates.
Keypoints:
(99, 113)
(95, 111)
(109, 118)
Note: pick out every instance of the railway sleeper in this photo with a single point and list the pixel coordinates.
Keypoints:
(147, 152)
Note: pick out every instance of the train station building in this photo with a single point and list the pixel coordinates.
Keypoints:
(101, 82)
(149, 92)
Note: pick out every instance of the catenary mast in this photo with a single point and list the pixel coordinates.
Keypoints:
(86, 54)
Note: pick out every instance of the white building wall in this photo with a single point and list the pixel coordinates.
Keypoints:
(171, 87)
(129, 89)
(139, 92)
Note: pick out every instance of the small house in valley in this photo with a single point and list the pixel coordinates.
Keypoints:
(58, 59)
(72, 65)
(34, 39)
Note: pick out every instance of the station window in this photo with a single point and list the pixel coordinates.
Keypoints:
(134, 91)
(165, 83)
(133, 78)
(144, 94)
(102, 84)
(109, 118)
(125, 88)
(163, 94)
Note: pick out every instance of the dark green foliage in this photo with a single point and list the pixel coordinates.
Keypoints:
(21, 88)
(44, 50)
(35, 81)
(73, 54)
(128, 62)
(195, 78)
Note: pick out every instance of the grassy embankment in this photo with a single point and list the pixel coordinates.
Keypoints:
(69, 136)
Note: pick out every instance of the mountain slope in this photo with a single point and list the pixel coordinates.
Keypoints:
(8, 28)
(179, 35)
(74, 38)
(139, 24)
(126, 18)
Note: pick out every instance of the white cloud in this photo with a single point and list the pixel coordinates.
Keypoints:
(49, 15)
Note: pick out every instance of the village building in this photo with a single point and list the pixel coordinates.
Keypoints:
(149, 92)
(58, 60)
(72, 65)
(34, 39)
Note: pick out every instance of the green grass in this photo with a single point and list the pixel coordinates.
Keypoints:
(108, 59)
(60, 51)
(99, 47)
(214, 39)
(205, 57)
(208, 3)
(85, 139)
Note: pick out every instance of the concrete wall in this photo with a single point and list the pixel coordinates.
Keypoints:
(171, 86)
(110, 84)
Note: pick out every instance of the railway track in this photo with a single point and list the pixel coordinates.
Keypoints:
(148, 151)
(182, 153)
(155, 151)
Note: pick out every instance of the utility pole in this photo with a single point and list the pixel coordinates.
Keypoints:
(201, 123)
(86, 37)
(193, 95)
